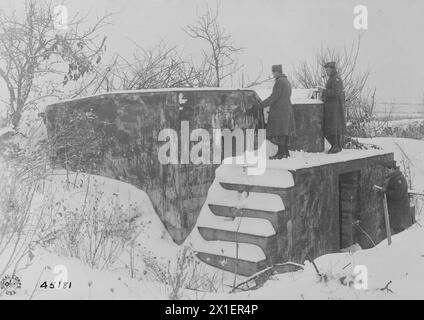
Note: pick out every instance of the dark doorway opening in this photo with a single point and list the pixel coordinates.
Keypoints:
(349, 206)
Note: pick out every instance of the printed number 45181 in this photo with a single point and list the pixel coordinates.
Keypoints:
(56, 285)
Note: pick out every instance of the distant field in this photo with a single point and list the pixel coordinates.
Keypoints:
(400, 110)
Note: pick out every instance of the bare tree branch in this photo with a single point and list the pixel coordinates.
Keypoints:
(221, 53)
(33, 53)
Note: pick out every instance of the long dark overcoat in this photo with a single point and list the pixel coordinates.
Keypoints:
(281, 116)
(334, 106)
(398, 201)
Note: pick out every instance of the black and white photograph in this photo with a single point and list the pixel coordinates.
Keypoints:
(225, 151)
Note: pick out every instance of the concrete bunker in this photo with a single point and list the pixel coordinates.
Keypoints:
(299, 209)
(116, 135)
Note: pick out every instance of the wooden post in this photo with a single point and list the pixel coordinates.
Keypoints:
(386, 215)
(387, 220)
(415, 193)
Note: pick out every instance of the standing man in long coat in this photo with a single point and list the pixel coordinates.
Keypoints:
(280, 126)
(396, 188)
(334, 108)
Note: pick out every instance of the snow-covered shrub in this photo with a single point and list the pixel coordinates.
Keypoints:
(365, 129)
(97, 230)
(408, 128)
(353, 143)
(185, 273)
(407, 169)
(413, 129)
(23, 222)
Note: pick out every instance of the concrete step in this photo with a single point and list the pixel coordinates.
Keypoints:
(283, 193)
(267, 244)
(244, 251)
(226, 211)
(253, 226)
(237, 231)
(240, 187)
(241, 267)
(255, 201)
(272, 178)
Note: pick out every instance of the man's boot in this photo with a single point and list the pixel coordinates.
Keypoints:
(340, 141)
(332, 140)
(286, 153)
(279, 155)
(337, 144)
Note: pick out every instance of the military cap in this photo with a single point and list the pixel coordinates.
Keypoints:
(277, 68)
(330, 64)
(390, 164)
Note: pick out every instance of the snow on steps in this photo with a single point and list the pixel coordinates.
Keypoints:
(231, 204)
(255, 201)
(234, 265)
(251, 230)
(267, 244)
(231, 212)
(246, 251)
(254, 226)
(221, 224)
(244, 259)
(236, 174)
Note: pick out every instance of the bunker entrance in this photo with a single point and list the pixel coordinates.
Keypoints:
(349, 206)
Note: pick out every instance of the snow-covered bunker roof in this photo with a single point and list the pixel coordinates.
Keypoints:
(299, 96)
(160, 90)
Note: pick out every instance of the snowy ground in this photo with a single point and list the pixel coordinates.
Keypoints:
(402, 263)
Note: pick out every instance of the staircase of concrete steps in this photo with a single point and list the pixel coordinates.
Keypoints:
(240, 221)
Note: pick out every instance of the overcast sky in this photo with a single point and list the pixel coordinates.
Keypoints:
(282, 31)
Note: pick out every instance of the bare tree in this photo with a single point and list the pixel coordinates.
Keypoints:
(221, 52)
(359, 99)
(159, 67)
(36, 59)
(247, 82)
